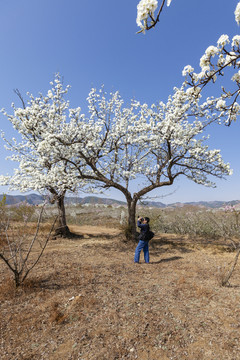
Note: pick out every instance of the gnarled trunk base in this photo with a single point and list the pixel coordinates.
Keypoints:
(62, 228)
(63, 231)
(131, 233)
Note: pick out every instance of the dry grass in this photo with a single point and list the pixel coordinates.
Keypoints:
(87, 300)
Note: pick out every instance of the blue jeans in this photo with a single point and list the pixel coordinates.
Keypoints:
(142, 245)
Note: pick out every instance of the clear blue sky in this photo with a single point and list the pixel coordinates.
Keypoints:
(94, 42)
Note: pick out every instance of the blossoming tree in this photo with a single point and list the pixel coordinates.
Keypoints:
(37, 121)
(113, 146)
(116, 146)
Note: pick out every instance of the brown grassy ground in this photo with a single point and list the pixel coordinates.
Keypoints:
(87, 300)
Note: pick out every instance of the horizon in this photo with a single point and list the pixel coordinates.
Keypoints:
(114, 199)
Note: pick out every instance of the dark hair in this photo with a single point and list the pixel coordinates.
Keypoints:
(147, 219)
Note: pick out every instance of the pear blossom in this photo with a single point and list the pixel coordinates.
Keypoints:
(236, 40)
(204, 61)
(187, 70)
(221, 61)
(230, 58)
(237, 13)
(144, 9)
(221, 104)
(145, 13)
(236, 77)
(223, 40)
(211, 51)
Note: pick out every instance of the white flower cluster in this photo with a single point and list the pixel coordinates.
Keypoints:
(236, 77)
(237, 13)
(221, 104)
(144, 9)
(223, 41)
(236, 41)
(187, 70)
(145, 12)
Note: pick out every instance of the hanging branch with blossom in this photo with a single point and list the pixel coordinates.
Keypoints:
(215, 63)
(146, 19)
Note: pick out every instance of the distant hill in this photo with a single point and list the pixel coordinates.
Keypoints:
(92, 200)
(157, 204)
(214, 204)
(35, 199)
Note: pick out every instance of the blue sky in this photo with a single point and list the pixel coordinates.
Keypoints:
(95, 42)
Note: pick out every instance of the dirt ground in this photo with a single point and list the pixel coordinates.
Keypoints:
(87, 300)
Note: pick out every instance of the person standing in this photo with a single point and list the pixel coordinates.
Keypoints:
(143, 224)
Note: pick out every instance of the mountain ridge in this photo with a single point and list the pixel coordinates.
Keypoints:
(35, 199)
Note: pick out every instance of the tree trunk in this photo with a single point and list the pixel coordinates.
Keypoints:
(62, 229)
(131, 233)
(17, 279)
(227, 278)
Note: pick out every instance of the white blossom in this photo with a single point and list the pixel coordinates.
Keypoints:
(237, 13)
(190, 91)
(187, 70)
(211, 51)
(223, 40)
(144, 9)
(204, 61)
(236, 40)
(221, 104)
(230, 58)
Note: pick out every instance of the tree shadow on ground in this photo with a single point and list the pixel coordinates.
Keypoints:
(89, 236)
(118, 246)
(232, 286)
(162, 244)
(173, 258)
(70, 236)
(101, 236)
(48, 283)
(57, 281)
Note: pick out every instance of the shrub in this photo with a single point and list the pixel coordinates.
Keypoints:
(22, 212)
(18, 244)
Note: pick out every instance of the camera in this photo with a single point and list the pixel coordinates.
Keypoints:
(140, 218)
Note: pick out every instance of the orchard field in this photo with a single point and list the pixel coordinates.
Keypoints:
(87, 300)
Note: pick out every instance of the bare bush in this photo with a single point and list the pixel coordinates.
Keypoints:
(205, 223)
(19, 249)
(22, 211)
